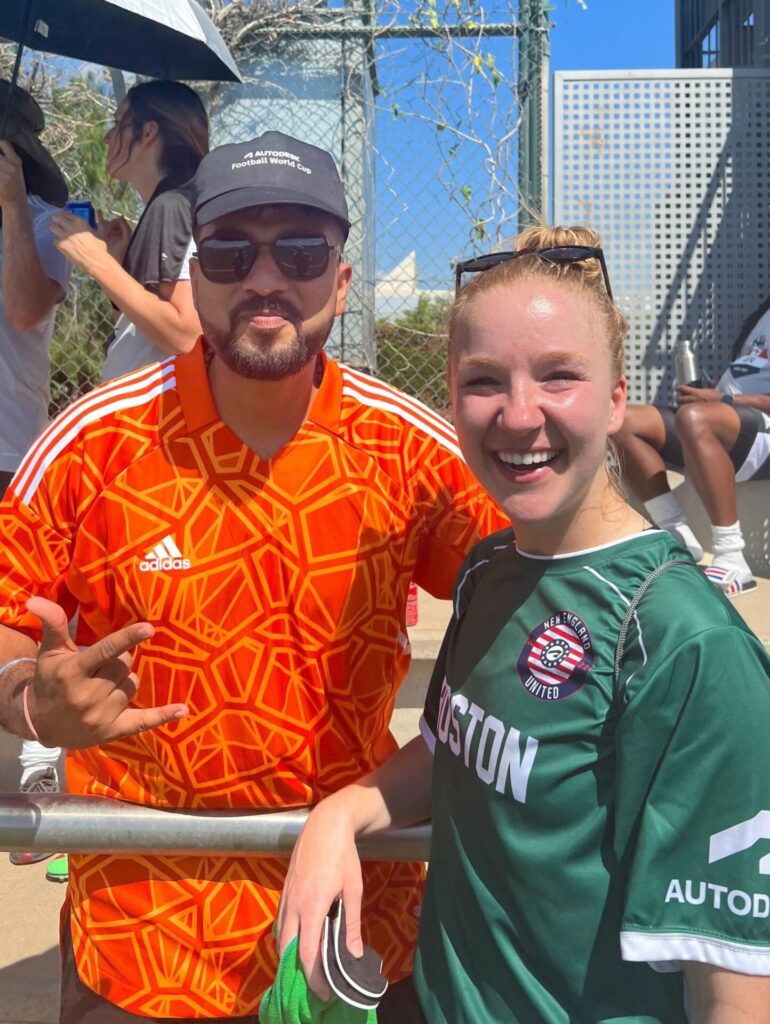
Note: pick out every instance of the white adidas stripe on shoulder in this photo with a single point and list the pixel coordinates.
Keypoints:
(374, 386)
(136, 380)
(391, 400)
(407, 415)
(127, 392)
(133, 382)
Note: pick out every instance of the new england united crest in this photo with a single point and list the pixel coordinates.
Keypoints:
(557, 657)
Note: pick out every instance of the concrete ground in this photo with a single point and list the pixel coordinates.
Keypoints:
(29, 905)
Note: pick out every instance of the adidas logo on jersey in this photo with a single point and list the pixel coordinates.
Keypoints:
(164, 556)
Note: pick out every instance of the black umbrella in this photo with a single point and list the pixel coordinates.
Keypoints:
(158, 38)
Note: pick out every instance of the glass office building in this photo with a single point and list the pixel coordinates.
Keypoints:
(723, 33)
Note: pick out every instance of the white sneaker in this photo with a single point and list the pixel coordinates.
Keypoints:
(45, 780)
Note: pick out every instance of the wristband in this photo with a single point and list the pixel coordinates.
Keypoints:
(24, 700)
(16, 661)
(25, 706)
(727, 399)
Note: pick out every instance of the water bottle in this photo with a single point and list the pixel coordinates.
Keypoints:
(686, 365)
(411, 605)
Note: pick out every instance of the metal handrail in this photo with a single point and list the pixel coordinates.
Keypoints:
(77, 824)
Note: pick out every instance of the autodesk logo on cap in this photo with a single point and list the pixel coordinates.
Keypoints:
(271, 158)
(164, 556)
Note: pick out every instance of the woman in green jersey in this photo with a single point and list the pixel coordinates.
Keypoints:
(593, 749)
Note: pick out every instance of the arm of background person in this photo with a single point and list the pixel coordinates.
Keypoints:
(29, 294)
(761, 402)
(724, 997)
(690, 396)
(168, 318)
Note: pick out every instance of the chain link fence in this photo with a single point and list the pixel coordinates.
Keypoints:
(418, 107)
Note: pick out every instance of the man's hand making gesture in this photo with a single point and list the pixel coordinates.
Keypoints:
(80, 698)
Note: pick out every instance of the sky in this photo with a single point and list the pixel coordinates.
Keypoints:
(602, 35)
(586, 35)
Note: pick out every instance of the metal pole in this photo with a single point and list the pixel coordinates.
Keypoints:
(26, 21)
(370, 33)
(534, 52)
(118, 85)
(525, 104)
(76, 824)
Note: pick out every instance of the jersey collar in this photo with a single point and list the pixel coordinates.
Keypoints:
(198, 405)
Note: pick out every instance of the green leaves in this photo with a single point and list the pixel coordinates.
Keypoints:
(412, 351)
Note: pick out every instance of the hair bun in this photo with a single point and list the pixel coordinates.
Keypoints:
(546, 237)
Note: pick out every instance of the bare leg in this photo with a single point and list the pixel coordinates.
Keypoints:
(639, 441)
(707, 432)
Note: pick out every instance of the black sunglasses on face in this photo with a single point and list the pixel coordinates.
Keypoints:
(558, 255)
(226, 260)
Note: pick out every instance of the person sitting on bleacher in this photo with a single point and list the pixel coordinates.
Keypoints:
(719, 435)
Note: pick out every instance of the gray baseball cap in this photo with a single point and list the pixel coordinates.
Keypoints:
(272, 170)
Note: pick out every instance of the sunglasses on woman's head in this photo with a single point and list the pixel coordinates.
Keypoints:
(301, 258)
(558, 255)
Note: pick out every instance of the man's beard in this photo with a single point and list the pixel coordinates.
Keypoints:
(261, 361)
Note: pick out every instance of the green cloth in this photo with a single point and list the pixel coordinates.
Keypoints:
(58, 869)
(290, 1001)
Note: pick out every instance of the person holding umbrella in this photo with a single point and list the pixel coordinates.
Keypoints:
(34, 276)
(158, 139)
(33, 281)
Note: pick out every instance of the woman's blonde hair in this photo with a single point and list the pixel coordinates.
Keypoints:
(585, 276)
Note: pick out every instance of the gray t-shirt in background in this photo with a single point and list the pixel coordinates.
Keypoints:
(159, 251)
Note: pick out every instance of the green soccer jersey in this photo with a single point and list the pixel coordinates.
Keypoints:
(587, 837)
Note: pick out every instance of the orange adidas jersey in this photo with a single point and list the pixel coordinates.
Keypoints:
(278, 591)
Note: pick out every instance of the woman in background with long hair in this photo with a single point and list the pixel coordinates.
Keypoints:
(159, 137)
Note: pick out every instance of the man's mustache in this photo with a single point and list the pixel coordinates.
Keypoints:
(269, 307)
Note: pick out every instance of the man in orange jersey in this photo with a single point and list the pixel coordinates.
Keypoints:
(237, 528)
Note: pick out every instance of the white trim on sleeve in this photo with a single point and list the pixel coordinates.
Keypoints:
(666, 951)
(427, 734)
